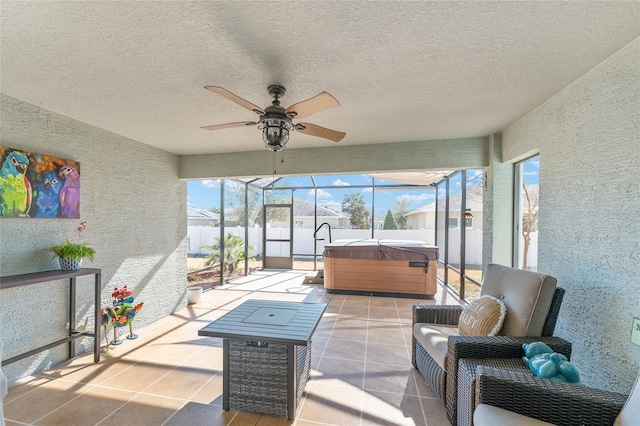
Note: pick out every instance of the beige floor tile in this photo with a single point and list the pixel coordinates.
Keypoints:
(382, 302)
(390, 378)
(144, 349)
(176, 353)
(435, 412)
(388, 354)
(339, 372)
(88, 409)
(323, 333)
(350, 330)
(406, 303)
(383, 313)
(354, 312)
(345, 349)
(383, 408)
(352, 299)
(88, 371)
(211, 392)
(383, 332)
(26, 385)
(183, 382)
(144, 410)
(266, 420)
(43, 399)
(423, 389)
(206, 356)
(139, 376)
(318, 345)
(332, 405)
(196, 414)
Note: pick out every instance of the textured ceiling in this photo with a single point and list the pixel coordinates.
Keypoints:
(402, 71)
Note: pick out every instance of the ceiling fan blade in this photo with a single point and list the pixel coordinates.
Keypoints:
(229, 125)
(319, 131)
(235, 98)
(318, 103)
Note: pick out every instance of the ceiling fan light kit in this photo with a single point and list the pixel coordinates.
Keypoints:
(276, 122)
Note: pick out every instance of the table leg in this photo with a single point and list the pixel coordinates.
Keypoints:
(72, 315)
(292, 376)
(97, 318)
(225, 374)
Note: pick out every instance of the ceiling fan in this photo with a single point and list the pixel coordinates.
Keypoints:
(276, 121)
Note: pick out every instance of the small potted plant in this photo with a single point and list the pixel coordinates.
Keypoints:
(70, 255)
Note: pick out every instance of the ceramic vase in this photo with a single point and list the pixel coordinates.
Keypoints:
(69, 264)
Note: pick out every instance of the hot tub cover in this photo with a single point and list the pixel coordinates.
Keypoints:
(381, 250)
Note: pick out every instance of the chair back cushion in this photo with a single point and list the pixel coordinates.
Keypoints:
(630, 413)
(527, 296)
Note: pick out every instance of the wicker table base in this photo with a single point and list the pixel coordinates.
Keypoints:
(258, 376)
(467, 382)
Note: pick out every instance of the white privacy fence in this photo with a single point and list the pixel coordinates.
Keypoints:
(303, 240)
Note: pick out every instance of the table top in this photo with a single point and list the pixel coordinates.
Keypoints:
(44, 276)
(268, 321)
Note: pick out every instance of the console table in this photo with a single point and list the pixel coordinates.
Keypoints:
(46, 276)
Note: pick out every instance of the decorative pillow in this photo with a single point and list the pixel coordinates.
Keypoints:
(482, 317)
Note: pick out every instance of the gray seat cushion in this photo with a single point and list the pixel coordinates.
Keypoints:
(488, 415)
(433, 339)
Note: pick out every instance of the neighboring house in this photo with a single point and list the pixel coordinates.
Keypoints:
(424, 217)
(200, 217)
(303, 213)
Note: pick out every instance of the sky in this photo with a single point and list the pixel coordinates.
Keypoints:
(205, 194)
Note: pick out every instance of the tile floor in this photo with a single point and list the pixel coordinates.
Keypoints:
(361, 368)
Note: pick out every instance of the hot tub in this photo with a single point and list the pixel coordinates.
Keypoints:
(383, 267)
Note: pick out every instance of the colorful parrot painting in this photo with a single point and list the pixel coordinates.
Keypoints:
(48, 198)
(15, 189)
(70, 192)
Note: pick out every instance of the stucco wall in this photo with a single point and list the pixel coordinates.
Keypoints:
(588, 137)
(135, 209)
(497, 202)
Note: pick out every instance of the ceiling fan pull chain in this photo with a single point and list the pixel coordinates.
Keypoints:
(274, 166)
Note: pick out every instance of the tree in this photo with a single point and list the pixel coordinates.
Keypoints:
(354, 206)
(233, 252)
(234, 193)
(530, 201)
(389, 221)
(400, 211)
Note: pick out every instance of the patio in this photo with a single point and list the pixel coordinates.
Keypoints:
(361, 368)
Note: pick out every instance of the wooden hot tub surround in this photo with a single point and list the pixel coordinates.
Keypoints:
(382, 267)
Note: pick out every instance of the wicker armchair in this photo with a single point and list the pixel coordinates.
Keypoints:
(499, 280)
(547, 400)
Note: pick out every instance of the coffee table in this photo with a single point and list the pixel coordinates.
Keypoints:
(266, 354)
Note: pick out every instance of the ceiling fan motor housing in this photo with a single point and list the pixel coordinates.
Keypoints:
(276, 91)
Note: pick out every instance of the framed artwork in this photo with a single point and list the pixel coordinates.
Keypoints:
(38, 185)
